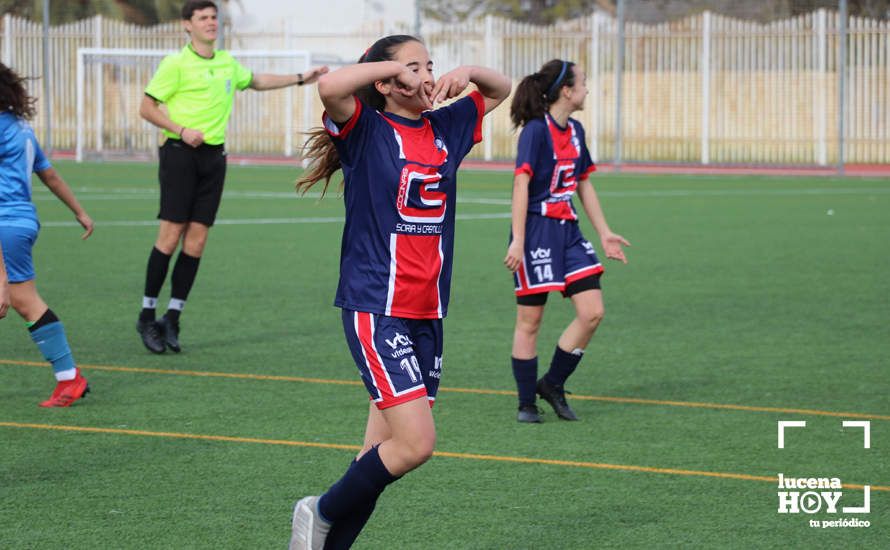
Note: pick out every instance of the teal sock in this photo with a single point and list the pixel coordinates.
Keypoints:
(53, 344)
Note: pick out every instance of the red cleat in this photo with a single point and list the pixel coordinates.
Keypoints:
(67, 392)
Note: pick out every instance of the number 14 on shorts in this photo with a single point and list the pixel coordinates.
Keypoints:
(543, 272)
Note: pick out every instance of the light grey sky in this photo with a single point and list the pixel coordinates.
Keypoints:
(321, 16)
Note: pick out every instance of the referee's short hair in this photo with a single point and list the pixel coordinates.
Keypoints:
(192, 6)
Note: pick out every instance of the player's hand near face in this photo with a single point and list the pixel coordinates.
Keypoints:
(451, 84)
(612, 246)
(409, 84)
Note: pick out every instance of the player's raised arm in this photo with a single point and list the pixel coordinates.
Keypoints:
(337, 88)
(264, 81)
(493, 86)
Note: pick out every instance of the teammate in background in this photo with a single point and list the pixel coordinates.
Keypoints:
(399, 159)
(547, 251)
(198, 87)
(20, 156)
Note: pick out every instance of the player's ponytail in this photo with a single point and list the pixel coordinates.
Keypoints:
(319, 148)
(536, 92)
(13, 96)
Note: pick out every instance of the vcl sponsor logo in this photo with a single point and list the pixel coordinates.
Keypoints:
(399, 340)
(540, 253)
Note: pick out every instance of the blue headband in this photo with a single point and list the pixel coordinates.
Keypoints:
(556, 82)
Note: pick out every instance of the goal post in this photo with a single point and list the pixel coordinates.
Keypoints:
(110, 84)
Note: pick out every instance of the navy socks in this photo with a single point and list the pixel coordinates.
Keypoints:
(525, 371)
(362, 483)
(562, 366)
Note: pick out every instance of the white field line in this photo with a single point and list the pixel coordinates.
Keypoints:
(259, 221)
(88, 194)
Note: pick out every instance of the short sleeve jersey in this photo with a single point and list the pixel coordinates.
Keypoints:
(20, 156)
(400, 184)
(199, 92)
(556, 159)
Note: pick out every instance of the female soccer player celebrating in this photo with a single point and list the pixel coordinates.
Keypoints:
(20, 156)
(547, 250)
(399, 159)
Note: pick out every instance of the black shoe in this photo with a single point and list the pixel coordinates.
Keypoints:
(556, 396)
(529, 413)
(170, 330)
(151, 335)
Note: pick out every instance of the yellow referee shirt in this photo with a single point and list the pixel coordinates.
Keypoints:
(199, 92)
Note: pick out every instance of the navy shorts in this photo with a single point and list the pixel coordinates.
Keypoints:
(556, 255)
(191, 180)
(17, 242)
(399, 359)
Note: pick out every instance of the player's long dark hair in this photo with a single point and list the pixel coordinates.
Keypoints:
(319, 148)
(13, 96)
(538, 91)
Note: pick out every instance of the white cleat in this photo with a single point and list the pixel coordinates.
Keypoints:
(308, 530)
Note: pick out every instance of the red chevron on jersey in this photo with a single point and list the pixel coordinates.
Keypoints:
(561, 210)
(566, 150)
(420, 145)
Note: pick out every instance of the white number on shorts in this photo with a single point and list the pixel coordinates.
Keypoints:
(544, 272)
(412, 367)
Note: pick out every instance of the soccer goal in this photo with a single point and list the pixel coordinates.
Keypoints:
(111, 84)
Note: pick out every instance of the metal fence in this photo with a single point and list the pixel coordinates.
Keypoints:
(704, 89)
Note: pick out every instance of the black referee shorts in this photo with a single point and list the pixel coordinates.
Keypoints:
(191, 181)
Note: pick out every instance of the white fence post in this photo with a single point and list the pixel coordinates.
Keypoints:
(820, 110)
(7, 39)
(619, 86)
(594, 77)
(288, 101)
(78, 141)
(308, 111)
(706, 88)
(489, 55)
(97, 82)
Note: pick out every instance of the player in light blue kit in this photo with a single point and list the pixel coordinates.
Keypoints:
(20, 156)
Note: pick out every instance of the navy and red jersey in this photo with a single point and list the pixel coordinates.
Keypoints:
(556, 159)
(400, 193)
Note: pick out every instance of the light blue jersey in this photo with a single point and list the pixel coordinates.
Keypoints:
(20, 156)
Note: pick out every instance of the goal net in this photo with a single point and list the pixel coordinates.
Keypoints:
(111, 84)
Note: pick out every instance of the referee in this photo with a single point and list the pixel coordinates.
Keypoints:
(198, 87)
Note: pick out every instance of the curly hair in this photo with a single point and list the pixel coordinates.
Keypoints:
(13, 95)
